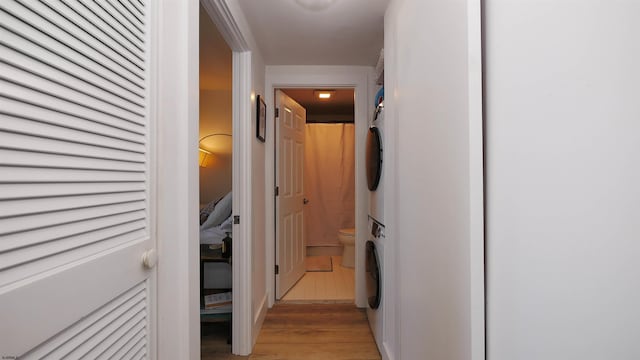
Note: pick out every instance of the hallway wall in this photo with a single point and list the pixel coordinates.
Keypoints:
(563, 201)
(433, 191)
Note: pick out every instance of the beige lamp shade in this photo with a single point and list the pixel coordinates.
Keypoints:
(206, 157)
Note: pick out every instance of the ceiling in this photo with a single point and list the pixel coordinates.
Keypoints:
(338, 108)
(317, 32)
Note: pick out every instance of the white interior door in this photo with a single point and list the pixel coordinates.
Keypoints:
(75, 211)
(290, 242)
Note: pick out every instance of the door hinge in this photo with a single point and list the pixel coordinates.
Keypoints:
(277, 190)
(236, 219)
(277, 269)
(277, 112)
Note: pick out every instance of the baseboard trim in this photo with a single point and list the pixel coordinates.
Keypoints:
(258, 320)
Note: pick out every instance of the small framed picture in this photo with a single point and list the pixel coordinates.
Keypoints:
(261, 119)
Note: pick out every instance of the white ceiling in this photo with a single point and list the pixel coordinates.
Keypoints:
(347, 32)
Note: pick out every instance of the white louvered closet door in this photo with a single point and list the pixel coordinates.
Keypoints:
(75, 212)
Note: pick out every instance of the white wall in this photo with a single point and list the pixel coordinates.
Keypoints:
(433, 210)
(258, 178)
(215, 118)
(563, 143)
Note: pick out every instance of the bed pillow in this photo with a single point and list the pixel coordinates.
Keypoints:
(207, 209)
(221, 212)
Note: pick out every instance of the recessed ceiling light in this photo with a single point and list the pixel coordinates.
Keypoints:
(315, 5)
(323, 94)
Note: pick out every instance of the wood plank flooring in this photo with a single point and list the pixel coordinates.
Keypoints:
(315, 331)
(335, 286)
(309, 331)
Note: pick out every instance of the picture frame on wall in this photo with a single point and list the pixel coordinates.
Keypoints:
(261, 119)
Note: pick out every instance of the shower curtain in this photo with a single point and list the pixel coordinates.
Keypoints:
(329, 182)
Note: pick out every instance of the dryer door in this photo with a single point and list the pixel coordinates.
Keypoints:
(373, 275)
(374, 158)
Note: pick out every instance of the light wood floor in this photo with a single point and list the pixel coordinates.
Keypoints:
(304, 331)
(336, 286)
(315, 331)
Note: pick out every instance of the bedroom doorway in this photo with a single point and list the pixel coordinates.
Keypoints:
(321, 164)
(215, 148)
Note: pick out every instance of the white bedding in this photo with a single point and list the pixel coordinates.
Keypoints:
(214, 228)
(214, 235)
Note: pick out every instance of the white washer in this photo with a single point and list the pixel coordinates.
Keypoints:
(376, 197)
(374, 265)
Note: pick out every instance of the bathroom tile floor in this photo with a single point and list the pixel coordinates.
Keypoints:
(337, 286)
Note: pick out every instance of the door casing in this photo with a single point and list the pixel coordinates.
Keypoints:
(360, 78)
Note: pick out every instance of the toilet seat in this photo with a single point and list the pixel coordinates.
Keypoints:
(347, 232)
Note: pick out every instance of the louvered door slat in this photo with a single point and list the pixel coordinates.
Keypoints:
(37, 206)
(82, 72)
(116, 5)
(43, 130)
(89, 20)
(79, 347)
(133, 10)
(129, 333)
(12, 227)
(91, 24)
(51, 101)
(22, 37)
(40, 84)
(75, 132)
(134, 65)
(28, 191)
(16, 141)
(137, 4)
(43, 160)
(131, 343)
(60, 346)
(15, 60)
(87, 242)
(92, 348)
(69, 237)
(48, 115)
(115, 21)
(16, 174)
(17, 18)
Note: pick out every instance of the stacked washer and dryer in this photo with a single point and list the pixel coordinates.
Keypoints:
(376, 234)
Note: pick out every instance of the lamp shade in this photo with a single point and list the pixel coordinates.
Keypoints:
(206, 156)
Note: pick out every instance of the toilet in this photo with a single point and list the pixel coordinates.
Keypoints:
(348, 239)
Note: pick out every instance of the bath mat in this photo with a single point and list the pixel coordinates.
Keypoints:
(319, 263)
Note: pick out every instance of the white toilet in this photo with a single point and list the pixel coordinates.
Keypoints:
(348, 239)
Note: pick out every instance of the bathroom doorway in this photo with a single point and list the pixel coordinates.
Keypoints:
(328, 205)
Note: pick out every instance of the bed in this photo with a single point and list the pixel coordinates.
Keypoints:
(216, 223)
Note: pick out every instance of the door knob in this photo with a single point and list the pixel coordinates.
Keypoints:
(305, 201)
(149, 258)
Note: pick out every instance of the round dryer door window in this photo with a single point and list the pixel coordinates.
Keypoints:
(373, 275)
(374, 158)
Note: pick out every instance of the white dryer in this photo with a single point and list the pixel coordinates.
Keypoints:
(374, 279)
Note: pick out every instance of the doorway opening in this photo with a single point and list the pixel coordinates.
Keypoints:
(315, 257)
(216, 179)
